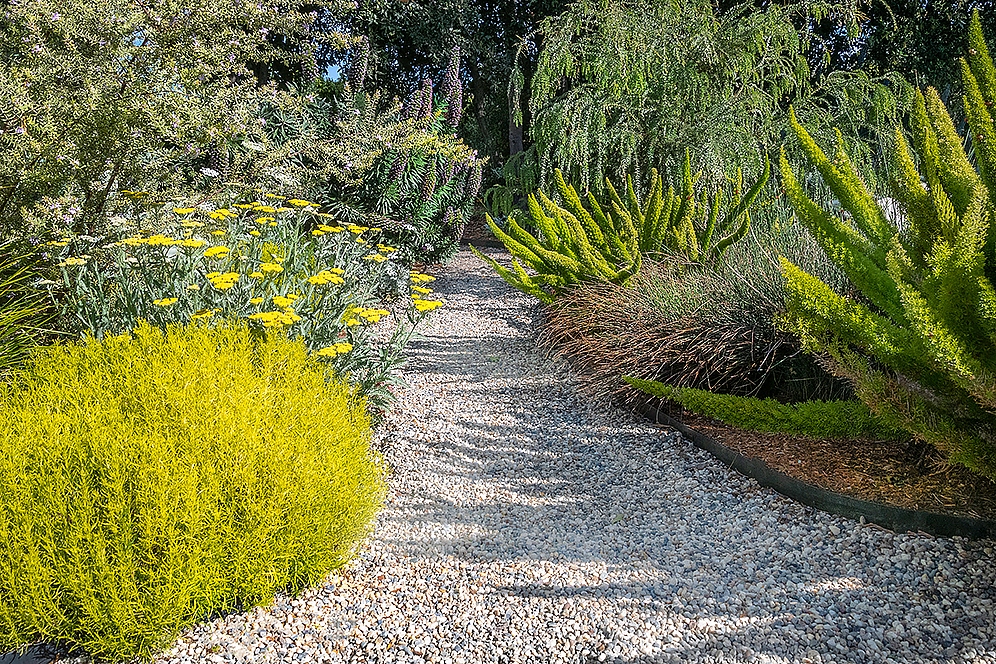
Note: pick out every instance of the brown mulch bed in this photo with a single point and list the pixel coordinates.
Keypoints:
(900, 473)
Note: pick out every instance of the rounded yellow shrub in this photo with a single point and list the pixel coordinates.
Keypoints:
(149, 480)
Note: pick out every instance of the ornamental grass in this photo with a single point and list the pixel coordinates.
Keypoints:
(150, 480)
(681, 324)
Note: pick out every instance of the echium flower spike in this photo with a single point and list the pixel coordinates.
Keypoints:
(425, 102)
(459, 223)
(474, 180)
(398, 168)
(309, 65)
(452, 89)
(429, 182)
(446, 172)
(358, 63)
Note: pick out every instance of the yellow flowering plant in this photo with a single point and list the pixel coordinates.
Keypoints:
(322, 288)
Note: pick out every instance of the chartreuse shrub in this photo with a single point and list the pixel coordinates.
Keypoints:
(921, 350)
(149, 480)
(831, 419)
(607, 243)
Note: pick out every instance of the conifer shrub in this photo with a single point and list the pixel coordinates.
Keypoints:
(154, 478)
(921, 348)
(607, 242)
(824, 419)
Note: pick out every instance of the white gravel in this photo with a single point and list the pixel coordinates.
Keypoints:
(527, 525)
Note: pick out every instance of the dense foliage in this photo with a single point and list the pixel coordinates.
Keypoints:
(149, 480)
(714, 329)
(921, 348)
(254, 260)
(621, 88)
(101, 96)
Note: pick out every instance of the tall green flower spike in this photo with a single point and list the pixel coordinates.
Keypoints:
(922, 353)
(607, 243)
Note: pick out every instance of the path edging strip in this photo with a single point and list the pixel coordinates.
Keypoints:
(897, 519)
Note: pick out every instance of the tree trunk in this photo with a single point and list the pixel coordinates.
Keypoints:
(479, 95)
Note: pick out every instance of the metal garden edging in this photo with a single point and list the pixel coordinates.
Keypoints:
(897, 519)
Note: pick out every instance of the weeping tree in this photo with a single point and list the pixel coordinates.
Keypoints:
(622, 87)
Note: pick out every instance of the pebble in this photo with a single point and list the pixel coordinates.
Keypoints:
(525, 523)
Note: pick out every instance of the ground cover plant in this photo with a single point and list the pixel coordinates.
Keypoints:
(150, 479)
(922, 351)
(327, 286)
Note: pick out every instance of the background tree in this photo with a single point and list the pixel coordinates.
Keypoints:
(411, 41)
(95, 95)
(622, 87)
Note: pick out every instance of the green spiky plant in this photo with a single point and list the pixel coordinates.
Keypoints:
(607, 243)
(922, 352)
(831, 419)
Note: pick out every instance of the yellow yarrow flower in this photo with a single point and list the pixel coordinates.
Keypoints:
(325, 277)
(73, 261)
(335, 349)
(426, 305)
(188, 223)
(256, 275)
(193, 243)
(256, 300)
(380, 258)
(254, 233)
(204, 313)
(222, 213)
(419, 289)
(165, 302)
(417, 277)
(193, 287)
(183, 210)
(271, 267)
(216, 251)
(299, 202)
(219, 232)
(265, 208)
(276, 196)
(330, 229)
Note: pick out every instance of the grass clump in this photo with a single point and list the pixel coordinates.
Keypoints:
(714, 329)
(148, 480)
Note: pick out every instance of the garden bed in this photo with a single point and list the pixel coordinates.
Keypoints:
(903, 474)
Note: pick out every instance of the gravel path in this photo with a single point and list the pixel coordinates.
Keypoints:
(526, 525)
